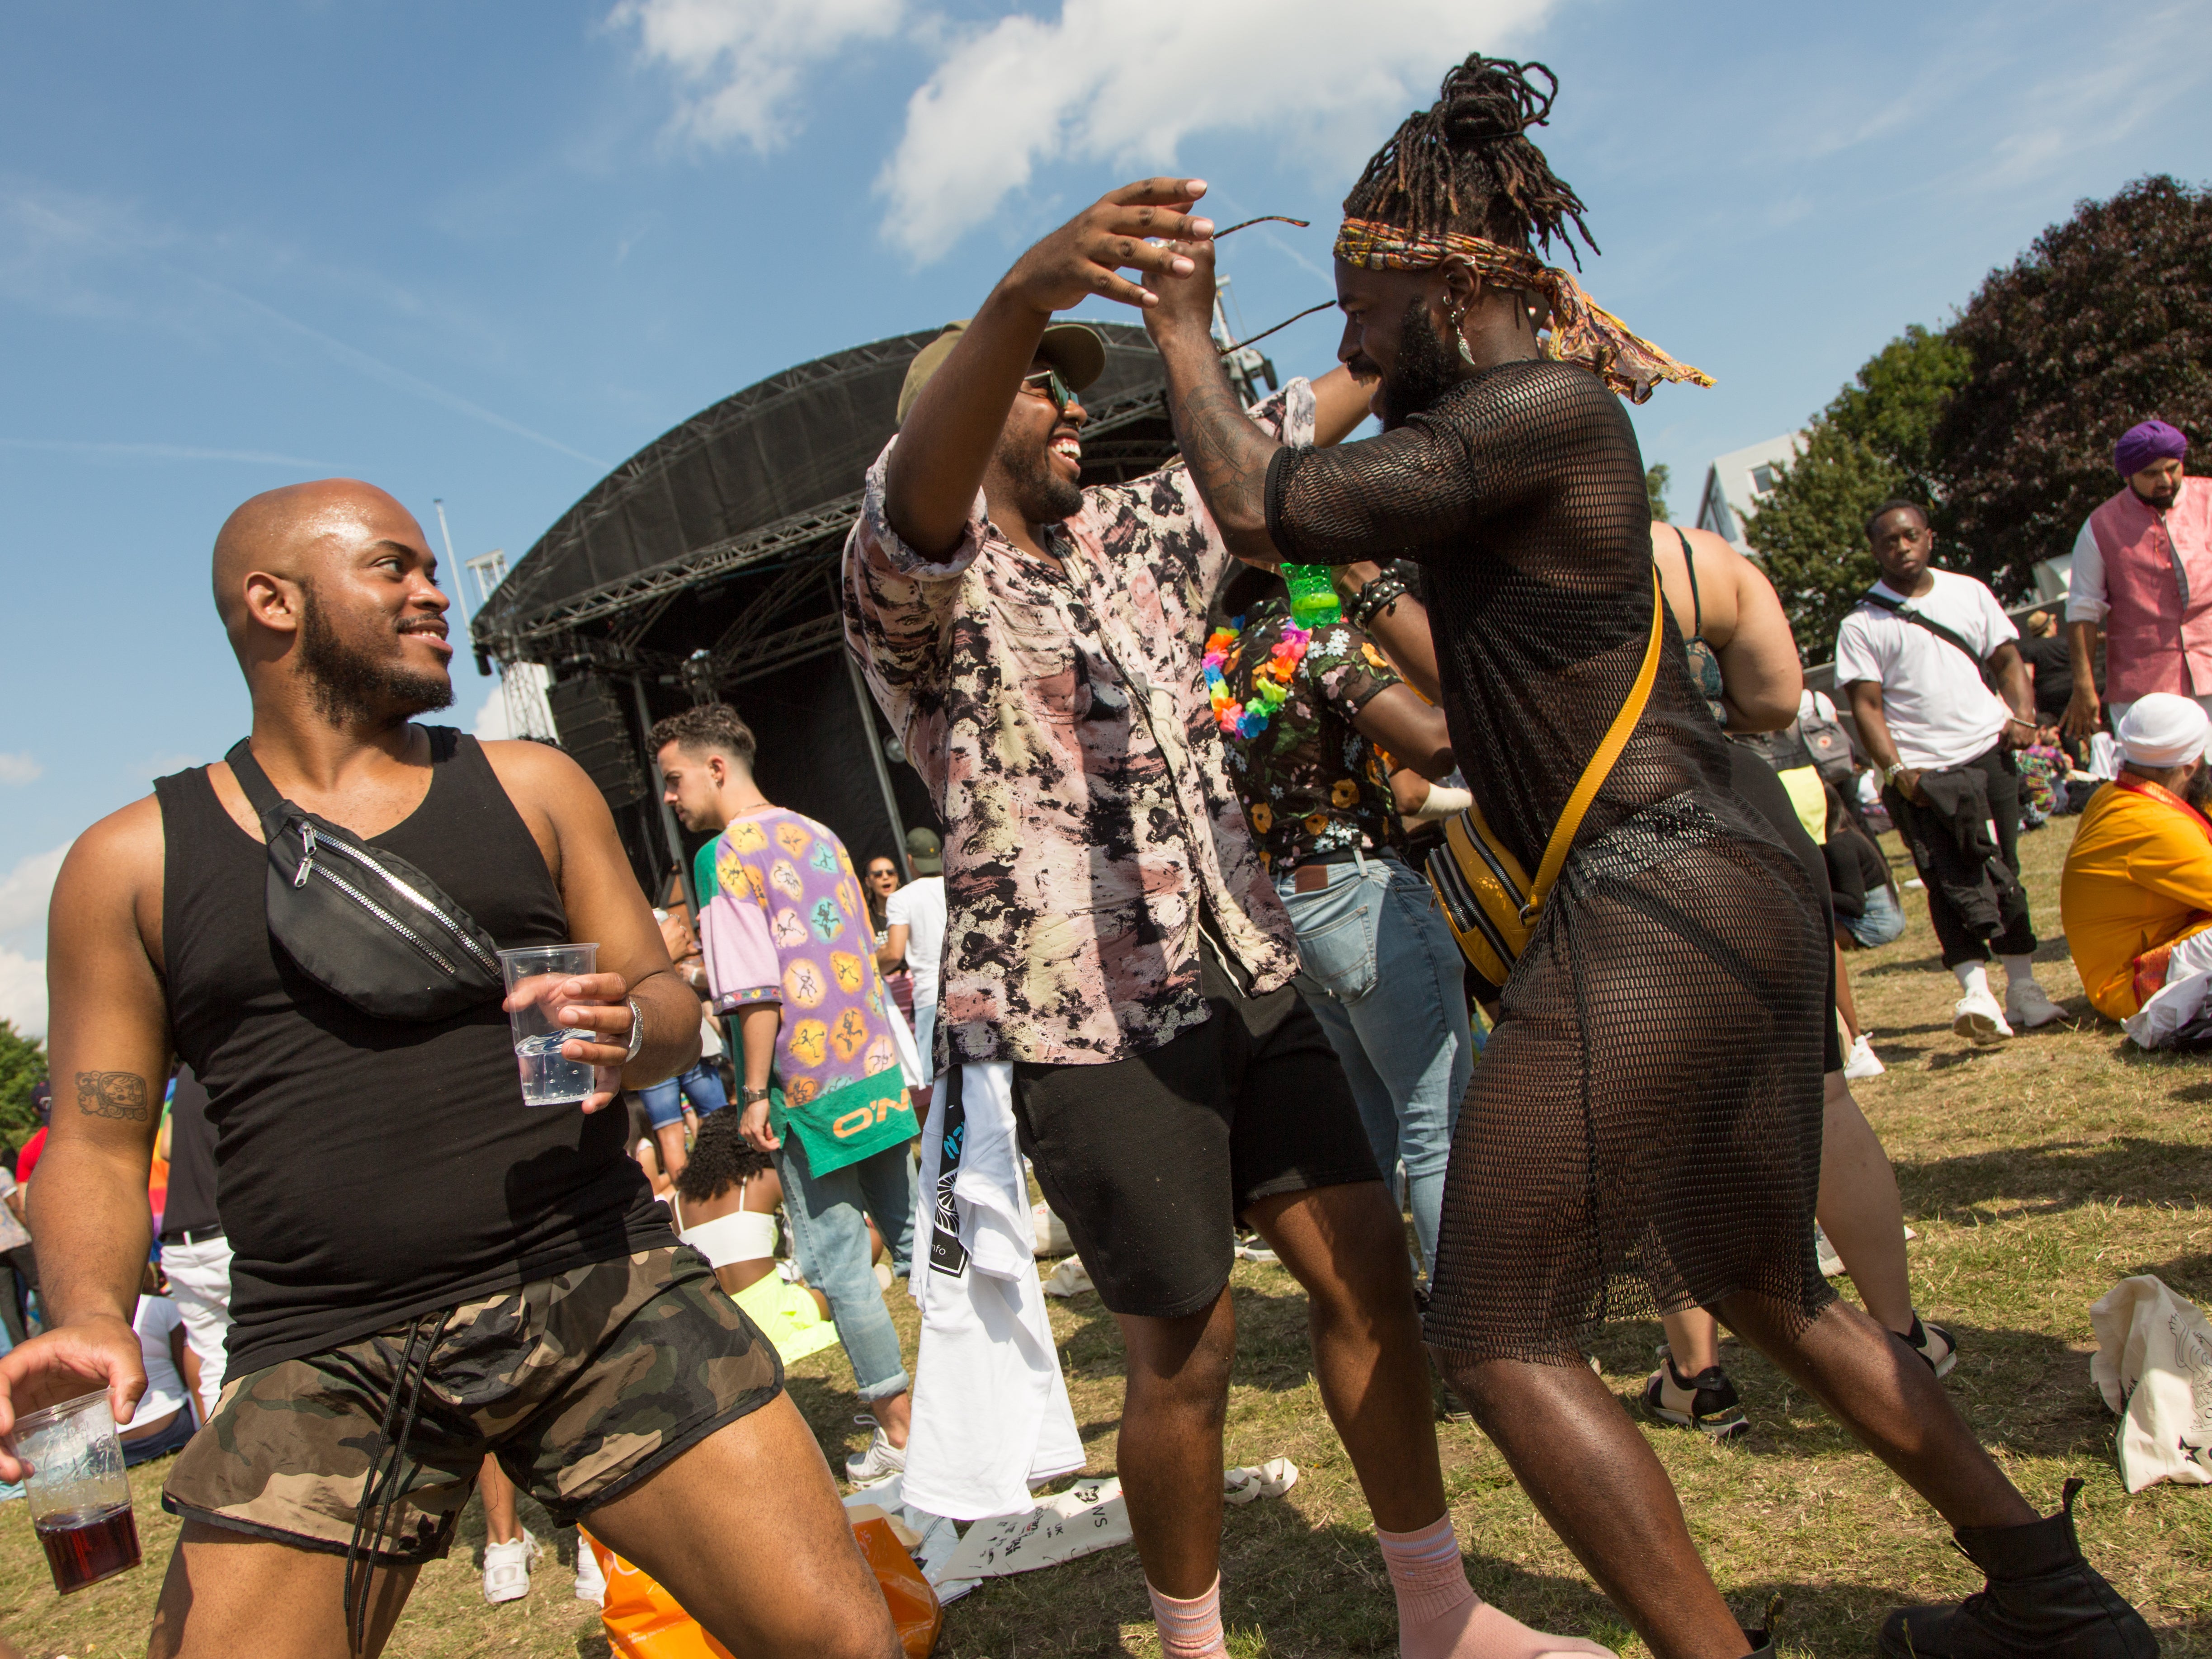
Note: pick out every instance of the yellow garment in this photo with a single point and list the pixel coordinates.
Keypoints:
(787, 1314)
(1810, 797)
(2138, 876)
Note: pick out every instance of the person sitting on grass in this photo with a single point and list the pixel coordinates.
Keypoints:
(724, 1207)
(2135, 896)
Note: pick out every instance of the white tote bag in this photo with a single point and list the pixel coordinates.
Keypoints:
(2154, 1366)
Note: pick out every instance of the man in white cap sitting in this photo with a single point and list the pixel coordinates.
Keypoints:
(2136, 895)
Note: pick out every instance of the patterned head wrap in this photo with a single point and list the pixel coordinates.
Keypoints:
(1581, 331)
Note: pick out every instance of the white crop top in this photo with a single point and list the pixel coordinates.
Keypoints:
(741, 1236)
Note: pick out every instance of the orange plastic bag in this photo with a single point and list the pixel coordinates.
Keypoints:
(643, 1621)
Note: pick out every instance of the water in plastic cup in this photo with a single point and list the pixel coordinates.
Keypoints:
(79, 1498)
(536, 972)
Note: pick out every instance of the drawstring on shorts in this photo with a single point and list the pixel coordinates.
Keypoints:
(386, 1480)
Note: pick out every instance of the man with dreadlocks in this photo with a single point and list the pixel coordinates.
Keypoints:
(1645, 1126)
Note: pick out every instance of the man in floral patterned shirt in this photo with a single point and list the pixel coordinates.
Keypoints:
(1112, 939)
(1306, 716)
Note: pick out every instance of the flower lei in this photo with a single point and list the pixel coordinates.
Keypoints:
(1271, 680)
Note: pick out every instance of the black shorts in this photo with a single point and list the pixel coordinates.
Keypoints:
(1151, 1160)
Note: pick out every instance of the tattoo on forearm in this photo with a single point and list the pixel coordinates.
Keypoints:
(1226, 453)
(111, 1094)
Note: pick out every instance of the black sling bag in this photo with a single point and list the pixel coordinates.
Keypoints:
(363, 923)
(1940, 632)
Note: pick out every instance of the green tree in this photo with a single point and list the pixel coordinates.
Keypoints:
(1656, 480)
(1875, 439)
(2104, 321)
(23, 1063)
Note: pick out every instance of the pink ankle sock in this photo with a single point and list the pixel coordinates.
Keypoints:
(1439, 1614)
(1192, 1629)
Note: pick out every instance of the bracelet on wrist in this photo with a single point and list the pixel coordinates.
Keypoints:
(1382, 591)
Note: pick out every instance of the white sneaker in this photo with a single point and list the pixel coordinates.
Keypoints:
(1976, 1014)
(1861, 1061)
(1831, 1263)
(507, 1568)
(591, 1582)
(881, 1459)
(2028, 1007)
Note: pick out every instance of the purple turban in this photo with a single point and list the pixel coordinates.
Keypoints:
(2152, 441)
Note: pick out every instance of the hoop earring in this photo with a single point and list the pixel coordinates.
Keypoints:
(1464, 355)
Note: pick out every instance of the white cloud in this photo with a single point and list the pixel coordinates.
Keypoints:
(739, 62)
(23, 993)
(23, 894)
(20, 769)
(1125, 82)
(24, 890)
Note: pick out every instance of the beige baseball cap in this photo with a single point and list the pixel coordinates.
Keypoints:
(1077, 350)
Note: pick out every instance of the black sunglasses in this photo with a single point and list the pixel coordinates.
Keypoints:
(1047, 384)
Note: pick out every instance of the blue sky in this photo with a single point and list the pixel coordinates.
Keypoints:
(485, 252)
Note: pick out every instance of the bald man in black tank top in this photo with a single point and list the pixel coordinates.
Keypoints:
(403, 1224)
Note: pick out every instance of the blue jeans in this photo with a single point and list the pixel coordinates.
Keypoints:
(702, 1086)
(827, 1216)
(1882, 922)
(1385, 978)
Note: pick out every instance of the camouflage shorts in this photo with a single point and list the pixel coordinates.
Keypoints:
(582, 1384)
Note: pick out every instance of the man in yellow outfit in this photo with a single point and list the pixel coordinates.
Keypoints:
(2137, 894)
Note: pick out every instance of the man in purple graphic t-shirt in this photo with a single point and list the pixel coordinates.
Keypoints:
(791, 954)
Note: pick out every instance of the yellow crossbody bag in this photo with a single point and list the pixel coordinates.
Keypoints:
(1488, 899)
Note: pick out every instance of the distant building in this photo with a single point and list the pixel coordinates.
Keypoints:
(1737, 482)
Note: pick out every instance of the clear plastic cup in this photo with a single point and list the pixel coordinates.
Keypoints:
(80, 1497)
(534, 975)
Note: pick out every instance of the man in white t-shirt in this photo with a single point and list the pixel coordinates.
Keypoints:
(915, 916)
(1912, 658)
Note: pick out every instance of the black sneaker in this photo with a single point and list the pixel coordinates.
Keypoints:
(2041, 1598)
(1706, 1402)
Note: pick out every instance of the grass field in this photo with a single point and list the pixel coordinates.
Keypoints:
(2036, 1174)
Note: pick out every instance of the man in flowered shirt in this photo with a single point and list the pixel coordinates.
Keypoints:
(1112, 939)
(1304, 714)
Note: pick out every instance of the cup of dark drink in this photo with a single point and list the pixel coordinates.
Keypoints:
(80, 1497)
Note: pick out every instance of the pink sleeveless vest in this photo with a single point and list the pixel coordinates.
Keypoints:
(2151, 633)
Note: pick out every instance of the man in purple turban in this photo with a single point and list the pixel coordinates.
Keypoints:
(2143, 572)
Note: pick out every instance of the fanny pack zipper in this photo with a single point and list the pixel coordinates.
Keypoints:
(311, 839)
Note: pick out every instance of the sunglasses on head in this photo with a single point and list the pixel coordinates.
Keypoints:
(1047, 384)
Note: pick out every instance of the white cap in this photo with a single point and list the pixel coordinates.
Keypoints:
(2164, 730)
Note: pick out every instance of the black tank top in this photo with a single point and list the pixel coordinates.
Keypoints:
(369, 1170)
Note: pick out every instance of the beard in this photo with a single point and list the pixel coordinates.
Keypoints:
(350, 685)
(1041, 496)
(2198, 793)
(1427, 368)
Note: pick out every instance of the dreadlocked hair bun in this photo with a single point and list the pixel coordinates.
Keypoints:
(1466, 164)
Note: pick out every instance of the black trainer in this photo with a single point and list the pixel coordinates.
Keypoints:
(1706, 1402)
(2042, 1598)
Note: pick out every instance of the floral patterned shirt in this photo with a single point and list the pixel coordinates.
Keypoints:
(1060, 720)
(1311, 783)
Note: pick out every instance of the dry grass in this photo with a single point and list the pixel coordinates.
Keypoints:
(2036, 1174)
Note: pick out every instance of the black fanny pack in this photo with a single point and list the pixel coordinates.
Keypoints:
(365, 924)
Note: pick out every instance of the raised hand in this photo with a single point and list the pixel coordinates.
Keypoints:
(1086, 255)
(1185, 296)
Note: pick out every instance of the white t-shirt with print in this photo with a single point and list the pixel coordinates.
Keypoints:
(921, 906)
(1940, 714)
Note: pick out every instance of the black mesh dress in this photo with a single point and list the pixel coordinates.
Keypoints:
(1643, 1130)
